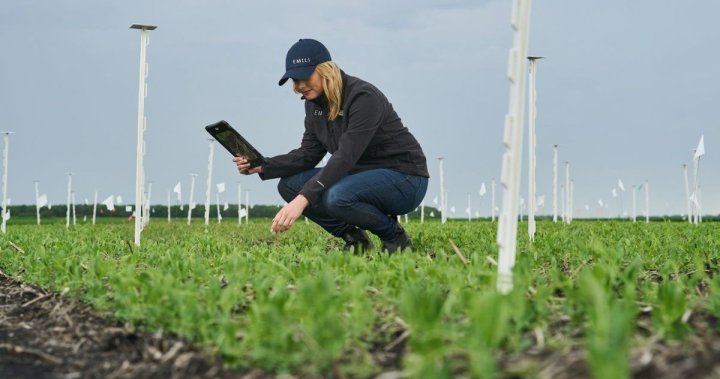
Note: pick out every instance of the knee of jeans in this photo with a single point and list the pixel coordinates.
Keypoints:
(287, 192)
(336, 202)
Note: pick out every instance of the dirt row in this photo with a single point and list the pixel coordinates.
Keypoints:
(48, 335)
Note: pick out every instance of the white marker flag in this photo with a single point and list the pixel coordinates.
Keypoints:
(226, 206)
(128, 208)
(700, 151)
(432, 214)
(452, 209)
(6, 215)
(483, 190)
(600, 202)
(178, 191)
(42, 201)
(694, 199)
(467, 210)
(435, 200)
(540, 201)
(622, 187)
(221, 187)
(118, 200)
(243, 212)
(614, 193)
(86, 201)
(109, 203)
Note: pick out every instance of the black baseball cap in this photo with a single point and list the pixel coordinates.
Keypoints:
(302, 58)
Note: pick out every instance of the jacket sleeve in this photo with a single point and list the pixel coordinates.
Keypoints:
(307, 156)
(365, 113)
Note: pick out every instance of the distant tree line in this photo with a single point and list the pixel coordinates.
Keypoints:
(81, 210)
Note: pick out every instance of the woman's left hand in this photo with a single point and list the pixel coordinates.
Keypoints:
(288, 214)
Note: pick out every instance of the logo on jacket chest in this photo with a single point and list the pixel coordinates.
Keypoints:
(320, 112)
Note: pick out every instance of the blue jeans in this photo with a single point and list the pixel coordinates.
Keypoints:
(369, 200)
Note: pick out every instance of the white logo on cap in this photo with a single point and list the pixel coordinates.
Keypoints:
(301, 60)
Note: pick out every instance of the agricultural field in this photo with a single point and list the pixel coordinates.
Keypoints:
(602, 299)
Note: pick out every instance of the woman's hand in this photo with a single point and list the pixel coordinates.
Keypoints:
(244, 166)
(286, 217)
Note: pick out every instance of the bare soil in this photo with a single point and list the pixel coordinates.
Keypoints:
(47, 336)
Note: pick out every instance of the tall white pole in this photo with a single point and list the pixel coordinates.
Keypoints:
(209, 182)
(192, 193)
(169, 205)
(239, 204)
(647, 201)
(555, 183)
(141, 125)
(687, 195)
(469, 210)
(571, 201)
(146, 213)
(443, 206)
(69, 194)
(95, 206)
(696, 166)
(37, 200)
(532, 115)
(699, 199)
(74, 215)
(247, 207)
(5, 211)
(634, 189)
(513, 133)
(563, 203)
(217, 201)
(566, 215)
(492, 201)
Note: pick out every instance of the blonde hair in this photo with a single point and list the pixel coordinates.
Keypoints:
(332, 86)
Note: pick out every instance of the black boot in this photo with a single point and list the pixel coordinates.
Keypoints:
(357, 241)
(400, 242)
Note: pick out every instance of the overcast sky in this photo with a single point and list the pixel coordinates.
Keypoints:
(626, 91)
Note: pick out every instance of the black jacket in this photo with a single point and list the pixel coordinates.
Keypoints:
(367, 134)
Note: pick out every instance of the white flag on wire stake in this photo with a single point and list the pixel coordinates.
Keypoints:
(42, 200)
(600, 202)
(178, 190)
(221, 187)
(614, 193)
(483, 190)
(226, 206)
(700, 151)
(620, 184)
(109, 203)
(435, 200)
(118, 199)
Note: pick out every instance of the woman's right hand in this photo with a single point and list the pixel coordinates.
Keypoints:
(244, 166)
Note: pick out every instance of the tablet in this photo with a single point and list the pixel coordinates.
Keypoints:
(235, 143)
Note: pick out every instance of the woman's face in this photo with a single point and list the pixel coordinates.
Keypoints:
(311, 88)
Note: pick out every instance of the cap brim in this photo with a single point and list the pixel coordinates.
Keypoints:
(298, 73)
